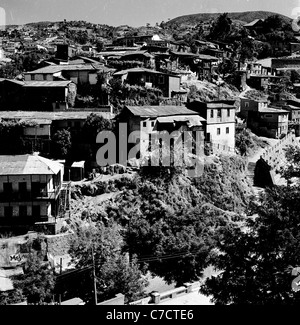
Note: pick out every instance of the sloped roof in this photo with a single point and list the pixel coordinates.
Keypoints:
(47, 83)
(192, 120)
(137, 70)
(155, 111)
(28, 165)
(253, 23)
(53, 116)
(272, 110)
(64, 67)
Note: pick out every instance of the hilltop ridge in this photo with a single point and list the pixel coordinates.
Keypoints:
(244, 16)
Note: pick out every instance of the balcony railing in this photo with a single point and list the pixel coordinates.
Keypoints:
(28, 196)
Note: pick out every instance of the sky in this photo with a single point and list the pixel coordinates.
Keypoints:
(130, 12)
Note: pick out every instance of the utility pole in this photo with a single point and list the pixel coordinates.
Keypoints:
(94, 276)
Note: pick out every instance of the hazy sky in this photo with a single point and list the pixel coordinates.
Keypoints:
(130, 12)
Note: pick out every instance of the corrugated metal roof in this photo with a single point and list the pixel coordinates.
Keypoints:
(252, 23)
(192, 120)
(79, 164)
(154, 111)
(63, 83)
(28, 165)
(272, 110)
(52, 116)
(64, 67)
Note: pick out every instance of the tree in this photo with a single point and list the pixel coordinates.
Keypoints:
(93, 125)
(114, 272)
(37, 283)
(61, 143)
(256, 261)
(221, 27)
(272, 23)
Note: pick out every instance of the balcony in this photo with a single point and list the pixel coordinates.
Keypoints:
(29, 196)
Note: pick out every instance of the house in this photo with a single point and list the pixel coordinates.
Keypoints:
(294, 47)
(202, 64)
(251, 105)
(143, 56)
(78, 73)
(150, 120)
(264, 120)
(30, 188)
(255, 25)
(219, 126)
(293, 107)
(36, 95)
(137, 40)
(150, 78)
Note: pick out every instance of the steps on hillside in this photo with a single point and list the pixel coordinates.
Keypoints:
(250, 172)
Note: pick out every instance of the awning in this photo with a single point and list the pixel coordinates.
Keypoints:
(191, 120)
(78, 164)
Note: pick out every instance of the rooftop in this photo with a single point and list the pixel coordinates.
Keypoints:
(28, 165)
(63, 83)
(272, 110)
(52, 116)
(253, 23)
(140, 70)
(154, 111)
(65, 67)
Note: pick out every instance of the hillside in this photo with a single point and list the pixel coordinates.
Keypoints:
(245, 17)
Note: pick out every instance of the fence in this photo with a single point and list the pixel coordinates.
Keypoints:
(157, 297)
(220, 148)
(274, 156)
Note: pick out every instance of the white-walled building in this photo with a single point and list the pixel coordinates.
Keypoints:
(30, 187)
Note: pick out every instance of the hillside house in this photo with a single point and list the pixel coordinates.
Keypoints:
(219, 126)
(78, 73)
(143, 56)
(35, 95)
(150, 78)
(256, 25)
(202, 64)
(264, 120)
(30, 188)
(150, 120)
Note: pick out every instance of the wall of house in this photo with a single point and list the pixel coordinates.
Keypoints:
(250, 105)
(222, 133)
(278, 122)
(39, 77)
(41, 130)
(174, 84)
(45, 208)
(79, 77)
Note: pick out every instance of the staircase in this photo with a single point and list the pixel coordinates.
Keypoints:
(250, 172)
(64, 199)
(250, 176)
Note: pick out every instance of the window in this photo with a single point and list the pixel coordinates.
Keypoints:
(32, 77)
(22, 187)
(8, 212)
(219, 112)
(218, 131)
(44, 76)
(22, 211)
(246, 104)
(7, 188)
(212, 113)
(228, 112)
(152, 123)
(144, 124)
(161, 80)
(36, 211)
(227, 130)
